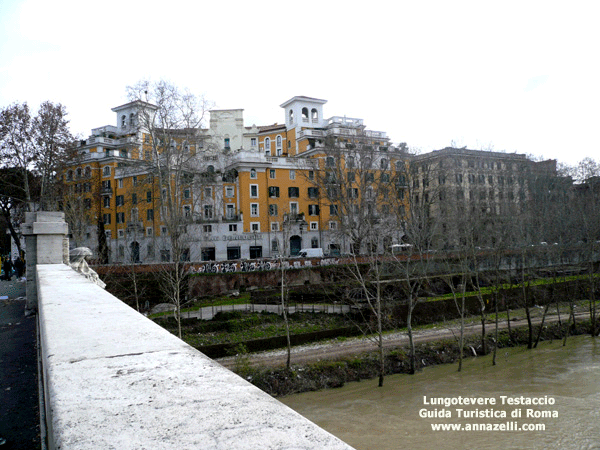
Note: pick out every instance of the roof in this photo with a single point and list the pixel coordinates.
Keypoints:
(135, 102)
(303, 99)
(275, 126)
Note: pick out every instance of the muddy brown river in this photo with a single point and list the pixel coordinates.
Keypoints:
(547, 398)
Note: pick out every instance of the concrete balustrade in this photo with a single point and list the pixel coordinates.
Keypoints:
(115, 380)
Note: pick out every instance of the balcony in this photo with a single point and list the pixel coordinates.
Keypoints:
(231, 218)
(135, 226)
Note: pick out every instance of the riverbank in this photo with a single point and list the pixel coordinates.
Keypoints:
(332, 373)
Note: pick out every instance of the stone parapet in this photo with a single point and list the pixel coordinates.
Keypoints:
(114, 379)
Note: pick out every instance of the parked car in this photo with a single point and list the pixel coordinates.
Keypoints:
(311, 253)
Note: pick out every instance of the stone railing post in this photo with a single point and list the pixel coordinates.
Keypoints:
(46, 242)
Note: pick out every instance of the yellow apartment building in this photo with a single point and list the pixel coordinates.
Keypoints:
(255, 192)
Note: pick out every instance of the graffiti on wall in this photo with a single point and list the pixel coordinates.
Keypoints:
(256, 266)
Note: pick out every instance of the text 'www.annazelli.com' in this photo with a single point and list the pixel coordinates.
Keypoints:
(505, 426)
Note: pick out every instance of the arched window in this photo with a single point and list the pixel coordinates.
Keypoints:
(267, 145)
(384, 164)
(131, 119)
(210, 169)
(252, 173)
(305, 114)
(314, 114)
(123, 121)
(79, 172)
(400, 166)
(106, 171)
(87, 172)
(278, 141)
(350, 162)
(291, 116)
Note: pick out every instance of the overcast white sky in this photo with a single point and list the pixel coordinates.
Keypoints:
(518, 76)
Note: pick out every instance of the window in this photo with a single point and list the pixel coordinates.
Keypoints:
(253, 209)
(149, 231)
(369, 177)
(351, 177)
(267, 145)
(119, 200)
(120, 217)
(230, 212)
(383, 164)
(134, 199)
(87, 172)
(186, 193)
(208, 211)
(255, 227)
(233, 227)
(275, 244)
(293, 208)
(291, 116)
(278, 142)
(121, 183)
(134, 180)
(187, 211)
(272, 210)
(293, 192)
(313, 192)
(313, 210)
(105, 171)
(252, 142)
(123, 121)
(165, 255)
(333, 225)
(226, 144)
(330, 161)
(233, 253)
(274, 226)
(272, 174)
(350, 162)
(273, 191)
(292, 174)
(106, 219)
(163, 231)
(229, 191)
(352, 193)
(314, 226)
(333, 210)
(252, 173)
(207, 228)
(87, 202)
(314, 115)
(385, 177)
(149, 196)
(254, 190)
(311, 174)
(106, 201)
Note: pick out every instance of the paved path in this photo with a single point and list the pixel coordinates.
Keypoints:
(19, 403)
(333, 349)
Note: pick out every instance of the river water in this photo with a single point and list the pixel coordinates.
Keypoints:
(370, 418)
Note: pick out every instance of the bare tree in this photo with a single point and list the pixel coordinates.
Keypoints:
(354, 181)
(17, 144)
(171, 121)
